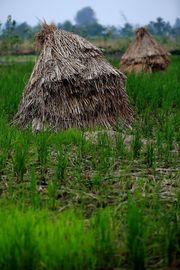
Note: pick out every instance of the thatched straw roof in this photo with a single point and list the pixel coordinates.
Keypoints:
(72, 85)
(144, 54)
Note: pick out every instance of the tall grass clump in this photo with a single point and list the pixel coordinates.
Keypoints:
(34, 195)
(170, 235)
(5, 149)
(19, 247)
(136, 144)
(150, 155)
(169, 134)
(159, 143)
(5, 146)
(105, 233)
(105, 152)
(19, 158)
(61, 165)
(135, 237)
(42, 146)
(120, 146)
(34, 239)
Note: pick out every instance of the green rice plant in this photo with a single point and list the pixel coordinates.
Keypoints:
(35, 239)
(3, 159)
(104, 156)
(166, 153)
(19, 248)
(42, 148)
(11, 190)
(170, 240)
(135, 237)
(66, 137)
(147, 123)
(136, 144)
(78, 163)
(159, 143)
(72, 243)
(96, 180)
(105, 234)
(150, 155)
(19, 159)
(120, 147)
(52, 193)
(5, 136)
(5, 146)
(175, 123)
(11, 84)
(169, 134)
(35, 198)
(61, 165)
(161, 118)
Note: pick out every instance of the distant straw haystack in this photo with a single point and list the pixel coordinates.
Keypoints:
(72, 85)
(144, 54)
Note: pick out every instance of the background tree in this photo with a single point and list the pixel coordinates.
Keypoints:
(176, 27)
(23, 30)
(0, 28)
(177, 23)
(159, 27)
(67, 26)
(87, 23)
(94, 29)
(85, 16)
(111, 32)
(127, 30)
(10, 39)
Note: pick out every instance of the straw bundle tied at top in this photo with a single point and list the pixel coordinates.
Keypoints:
(144, 54)
(72, 85)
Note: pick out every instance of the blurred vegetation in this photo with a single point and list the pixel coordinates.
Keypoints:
(18, 38)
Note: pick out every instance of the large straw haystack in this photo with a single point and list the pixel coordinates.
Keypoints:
(72, 85)
(144, 54)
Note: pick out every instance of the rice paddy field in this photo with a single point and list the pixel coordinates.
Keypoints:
(93, 199)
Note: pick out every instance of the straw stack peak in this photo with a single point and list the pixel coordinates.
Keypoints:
(144, 54)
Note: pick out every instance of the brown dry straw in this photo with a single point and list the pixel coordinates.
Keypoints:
(144, 54)
(72, 85)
